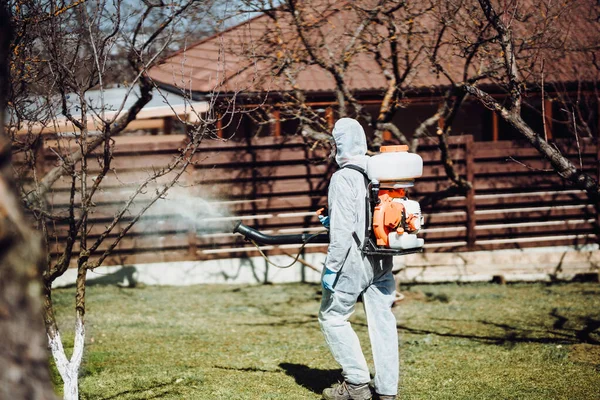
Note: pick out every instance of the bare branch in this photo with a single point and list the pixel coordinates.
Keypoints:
(510, 63)
(559, 162)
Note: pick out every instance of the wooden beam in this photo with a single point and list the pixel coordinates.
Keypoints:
(160, 141)
(548, 118)
(145, 124)
(219, 126)
(495, 126)
(329, 117)
(192, 248)
(276, 125)
(93, 126)
(470, 165)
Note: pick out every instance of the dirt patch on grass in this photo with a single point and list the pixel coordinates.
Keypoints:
(585, 353)
(412, 296)
(420, 296)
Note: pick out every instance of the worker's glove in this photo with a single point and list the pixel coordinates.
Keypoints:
(323, 215)
(328, 279)
(324, 221)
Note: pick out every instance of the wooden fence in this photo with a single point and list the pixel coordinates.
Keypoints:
(276, 184)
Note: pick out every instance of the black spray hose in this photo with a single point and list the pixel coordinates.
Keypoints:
(259, 237)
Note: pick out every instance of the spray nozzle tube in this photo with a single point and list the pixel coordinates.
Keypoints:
(259, 237)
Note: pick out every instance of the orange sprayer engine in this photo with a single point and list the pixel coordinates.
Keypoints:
(393, 220)
(395, 214)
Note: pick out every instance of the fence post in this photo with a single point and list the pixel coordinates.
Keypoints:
(470, 166)
(188, 179)
(192, 247)
(276, 124)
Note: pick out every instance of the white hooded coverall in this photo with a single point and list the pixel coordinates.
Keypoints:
(370, 276)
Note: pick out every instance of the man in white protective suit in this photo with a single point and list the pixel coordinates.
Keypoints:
(349, 274)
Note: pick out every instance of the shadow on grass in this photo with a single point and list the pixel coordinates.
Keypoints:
(538, 334)
(141, 393)
(315, 380)
(311, 321)
(245, 369)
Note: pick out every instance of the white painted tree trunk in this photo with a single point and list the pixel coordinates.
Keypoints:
(69, 369)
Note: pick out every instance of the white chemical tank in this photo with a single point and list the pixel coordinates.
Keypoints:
(405, 241)
(395, 165)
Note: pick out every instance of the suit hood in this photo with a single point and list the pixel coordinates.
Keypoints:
(350, 142)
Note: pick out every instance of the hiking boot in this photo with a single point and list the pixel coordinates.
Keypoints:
(384, 397)
(347, 391)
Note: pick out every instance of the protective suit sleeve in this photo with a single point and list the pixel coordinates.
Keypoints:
(342, 217)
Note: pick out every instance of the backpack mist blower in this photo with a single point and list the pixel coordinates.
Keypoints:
(393, 220)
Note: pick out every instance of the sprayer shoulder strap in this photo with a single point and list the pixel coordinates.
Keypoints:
(368, 214)
(357, 168)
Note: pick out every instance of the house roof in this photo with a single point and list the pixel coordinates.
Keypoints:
(249, 57)
(108, 103)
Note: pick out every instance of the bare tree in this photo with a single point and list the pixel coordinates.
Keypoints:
(61, 52)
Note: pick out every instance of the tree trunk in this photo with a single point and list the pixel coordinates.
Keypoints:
(68, 369)
(23, 355)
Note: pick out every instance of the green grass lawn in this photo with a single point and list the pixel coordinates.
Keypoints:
(525, 341)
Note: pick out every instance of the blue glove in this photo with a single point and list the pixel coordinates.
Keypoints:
(324, 221)
(328, 279)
